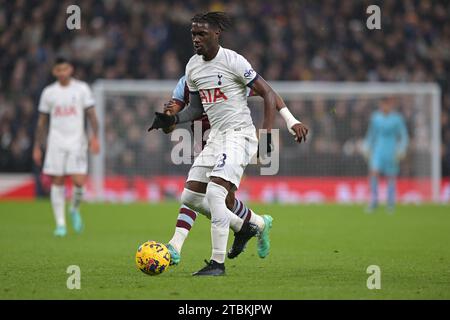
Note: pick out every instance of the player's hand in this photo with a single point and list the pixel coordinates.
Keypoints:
(268, 147)
(37, 156)
(300, 132)
(171, 107)
(162, 120)
(94, 145)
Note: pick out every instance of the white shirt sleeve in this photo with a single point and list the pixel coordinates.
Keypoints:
(244, 70)
(44, 105)
(88, 97)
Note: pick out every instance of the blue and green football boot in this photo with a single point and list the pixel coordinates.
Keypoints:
(60, 231)
(77, 222)
(175, 257)
(263, 244)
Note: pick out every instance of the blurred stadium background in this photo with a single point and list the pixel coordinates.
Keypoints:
(332, 71)
(324, 41)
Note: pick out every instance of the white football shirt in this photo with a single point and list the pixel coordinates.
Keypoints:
(222, 84)
(66, 106)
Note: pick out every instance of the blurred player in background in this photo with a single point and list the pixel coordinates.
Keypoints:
(186, 217)
(66, 103)
(385, 146)
(217, 79)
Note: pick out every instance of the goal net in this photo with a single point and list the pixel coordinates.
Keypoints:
(330, 167)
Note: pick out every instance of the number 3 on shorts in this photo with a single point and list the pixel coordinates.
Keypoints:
(221, 162)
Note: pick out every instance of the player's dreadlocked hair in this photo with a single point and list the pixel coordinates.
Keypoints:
(217, 19)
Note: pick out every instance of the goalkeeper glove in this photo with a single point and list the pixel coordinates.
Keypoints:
(162, 120)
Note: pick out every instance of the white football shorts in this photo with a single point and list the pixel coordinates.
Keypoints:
(61, 161)
(226, 154)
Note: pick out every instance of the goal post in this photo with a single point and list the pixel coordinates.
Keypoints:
(336, 112)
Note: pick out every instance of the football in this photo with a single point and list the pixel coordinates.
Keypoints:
(152, 258)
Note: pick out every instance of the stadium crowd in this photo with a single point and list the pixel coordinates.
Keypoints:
(283, 40)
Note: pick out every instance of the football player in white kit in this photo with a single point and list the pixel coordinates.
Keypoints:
(66, 103)
(217, 79)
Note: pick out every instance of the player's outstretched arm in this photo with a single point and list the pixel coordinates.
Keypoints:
(93, 140)
(191, 112)
(39, 137)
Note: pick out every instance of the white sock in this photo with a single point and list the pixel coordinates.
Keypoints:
(178, 238)
(235, 222)
(77, 196)
(57, 199)
(219, 238)
(202, 207)
(220, 220)
(185, 220)
(258, 220)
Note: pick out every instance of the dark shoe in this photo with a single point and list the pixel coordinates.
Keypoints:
(212, 268)
(248, 231)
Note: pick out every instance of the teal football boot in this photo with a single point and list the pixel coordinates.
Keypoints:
(175, 257)
(60, 231)
(263, 244)
(77, 222)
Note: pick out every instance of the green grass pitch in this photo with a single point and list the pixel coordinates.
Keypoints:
(318, 252)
